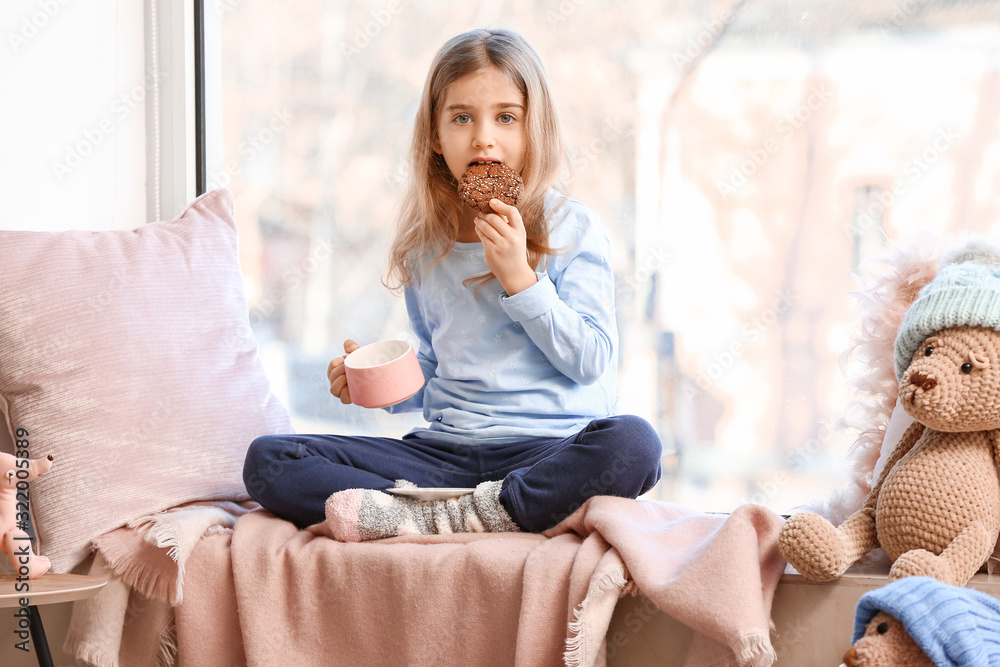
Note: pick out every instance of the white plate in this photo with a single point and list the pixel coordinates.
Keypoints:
(430, 493)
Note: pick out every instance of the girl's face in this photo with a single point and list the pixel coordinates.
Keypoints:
(481, 119)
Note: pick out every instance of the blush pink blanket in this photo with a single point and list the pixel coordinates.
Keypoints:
(271, 594)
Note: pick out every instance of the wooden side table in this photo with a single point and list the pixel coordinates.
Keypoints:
(46, 589)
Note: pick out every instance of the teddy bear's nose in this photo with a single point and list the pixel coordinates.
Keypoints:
(849, 656)
(925, 382)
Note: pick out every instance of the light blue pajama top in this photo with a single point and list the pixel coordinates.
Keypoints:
(500, 368)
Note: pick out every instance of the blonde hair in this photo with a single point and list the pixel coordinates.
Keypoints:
(431, 212)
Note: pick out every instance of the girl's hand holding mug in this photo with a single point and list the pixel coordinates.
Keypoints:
(337, 375)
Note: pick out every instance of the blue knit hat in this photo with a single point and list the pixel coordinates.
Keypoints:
(955, 627)
(966, 292)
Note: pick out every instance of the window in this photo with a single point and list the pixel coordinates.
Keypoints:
(744, 158)
(871, 203)
(74, 150)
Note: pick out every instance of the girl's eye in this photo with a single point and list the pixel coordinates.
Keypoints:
(966, 368)
(463, 118)
(506, 118)
(928, 351)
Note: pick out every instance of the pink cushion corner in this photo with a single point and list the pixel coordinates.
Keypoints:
(128, 357)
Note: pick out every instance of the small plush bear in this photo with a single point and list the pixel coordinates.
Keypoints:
(885, 643)
(921, 622)
(935, 509)
(13, 539)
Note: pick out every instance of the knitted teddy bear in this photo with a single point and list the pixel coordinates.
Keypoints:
(15, 542)
(935, 509)
(921, 622)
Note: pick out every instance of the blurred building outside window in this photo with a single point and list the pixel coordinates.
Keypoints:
(746, 159)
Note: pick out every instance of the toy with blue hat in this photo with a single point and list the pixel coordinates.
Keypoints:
(919, 621)
(935, 508)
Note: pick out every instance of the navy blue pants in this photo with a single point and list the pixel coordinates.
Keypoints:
(544, 479)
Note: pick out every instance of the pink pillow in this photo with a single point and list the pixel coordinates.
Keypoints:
(128, 357)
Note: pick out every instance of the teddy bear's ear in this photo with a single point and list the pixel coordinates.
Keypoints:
(886, 642)
(965, 292)
(979, 359)
(974, 248)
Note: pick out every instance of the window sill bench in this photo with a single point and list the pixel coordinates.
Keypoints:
(814, 621)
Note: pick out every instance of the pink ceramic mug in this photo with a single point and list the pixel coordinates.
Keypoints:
(383, 374)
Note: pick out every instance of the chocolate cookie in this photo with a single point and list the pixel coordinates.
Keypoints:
(483, 181)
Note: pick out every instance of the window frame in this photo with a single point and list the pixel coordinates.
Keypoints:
(184, 143)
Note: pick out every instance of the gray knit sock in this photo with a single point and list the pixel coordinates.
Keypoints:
(483, 512)
(366, 514)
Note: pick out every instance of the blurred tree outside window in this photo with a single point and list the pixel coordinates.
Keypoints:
(746, 158)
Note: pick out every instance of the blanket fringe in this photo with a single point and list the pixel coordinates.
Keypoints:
(754, 650)
(167, 654)
(576, 654)
(150, 582)
(174, 532)
(218, 530)
(162, 533)
(91, 654)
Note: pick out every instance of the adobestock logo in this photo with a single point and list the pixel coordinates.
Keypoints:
(362, 36)
(562, 12)
(78, 151)
(642, 611)
(242, 338)
(702, 40)
(223, 7)
(656, 259)
(795, 461)
(903, 13)
(397, 177)
(753, 160)
(252, 147)
(751, 331)
(914, 167)
(31, 25)
(295, 277)
(579, 160)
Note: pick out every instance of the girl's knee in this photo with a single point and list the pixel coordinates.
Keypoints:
(259, 452)
(627, 454)
(260, 462)
(640, 450)
(638, 437)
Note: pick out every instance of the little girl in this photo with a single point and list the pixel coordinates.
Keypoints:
(514, 314)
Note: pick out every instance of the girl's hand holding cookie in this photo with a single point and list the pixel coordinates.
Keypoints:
(337, 374)
(505, 244)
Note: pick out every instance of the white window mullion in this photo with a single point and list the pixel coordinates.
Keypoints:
(212, 25)
(171, 136)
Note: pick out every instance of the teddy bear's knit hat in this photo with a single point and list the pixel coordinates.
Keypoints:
(953, 625)
(965, 292)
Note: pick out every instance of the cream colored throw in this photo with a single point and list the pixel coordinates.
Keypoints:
(130, 622)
